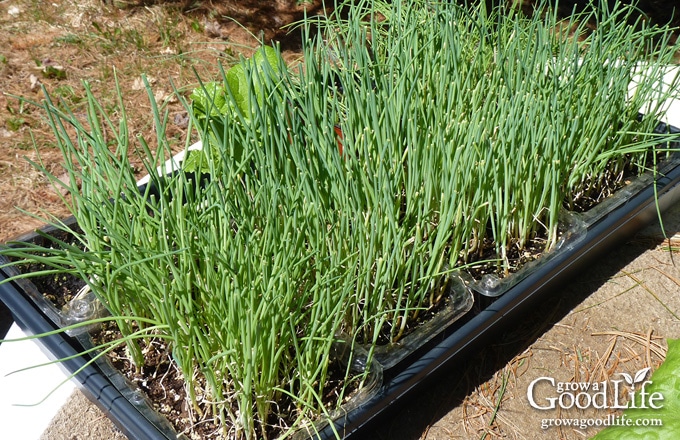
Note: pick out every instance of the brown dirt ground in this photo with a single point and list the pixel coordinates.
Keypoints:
(612, 319)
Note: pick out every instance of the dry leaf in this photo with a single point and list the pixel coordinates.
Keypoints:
(181, 119)
(212, 29)
(138, 83)
(35, 82)
(163, 96)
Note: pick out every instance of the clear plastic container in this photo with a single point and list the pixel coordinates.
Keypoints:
(459, 301)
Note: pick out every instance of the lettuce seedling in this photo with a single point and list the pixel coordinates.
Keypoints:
(232, 98)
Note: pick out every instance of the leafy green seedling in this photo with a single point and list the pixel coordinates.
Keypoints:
(15, 123)
(238, 77)
(232, 98)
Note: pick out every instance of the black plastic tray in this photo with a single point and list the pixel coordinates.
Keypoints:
(90, 379)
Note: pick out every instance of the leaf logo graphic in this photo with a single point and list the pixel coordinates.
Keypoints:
(627, 378)
(639, 376)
